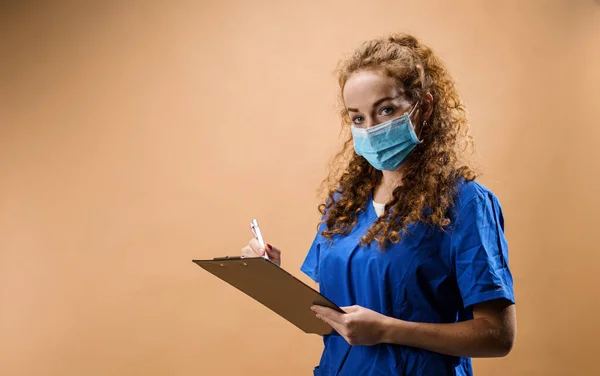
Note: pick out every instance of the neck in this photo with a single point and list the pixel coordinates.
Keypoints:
(392, 179)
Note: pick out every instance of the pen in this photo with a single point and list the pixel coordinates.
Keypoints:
(258, 236)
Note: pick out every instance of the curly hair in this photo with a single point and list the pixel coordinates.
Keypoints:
(434, 167)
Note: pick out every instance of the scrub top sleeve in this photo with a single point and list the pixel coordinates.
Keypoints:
(310, 266)
(479, 252)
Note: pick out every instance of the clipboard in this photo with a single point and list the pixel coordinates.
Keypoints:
(278, 290)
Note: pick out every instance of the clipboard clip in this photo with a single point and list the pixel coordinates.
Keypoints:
(227, 258)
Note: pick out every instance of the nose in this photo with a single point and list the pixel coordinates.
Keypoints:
(370, 123)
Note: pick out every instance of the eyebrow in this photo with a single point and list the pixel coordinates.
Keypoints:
(377, 103)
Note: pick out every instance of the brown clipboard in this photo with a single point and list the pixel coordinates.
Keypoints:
(275, 288)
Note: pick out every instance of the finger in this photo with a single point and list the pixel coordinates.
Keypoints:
(255, 245)
(335, 325)
(247, 251)
(274, 253)
(329, 313)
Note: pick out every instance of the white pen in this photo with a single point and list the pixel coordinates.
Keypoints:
(258, 236)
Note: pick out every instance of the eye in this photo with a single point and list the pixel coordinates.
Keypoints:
(358, 119)
(386, 111)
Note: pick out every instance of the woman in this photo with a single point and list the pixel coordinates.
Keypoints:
(410, 245)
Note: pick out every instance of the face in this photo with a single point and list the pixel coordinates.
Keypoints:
(372, 97)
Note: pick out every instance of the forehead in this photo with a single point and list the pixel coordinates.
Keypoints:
(363, 88)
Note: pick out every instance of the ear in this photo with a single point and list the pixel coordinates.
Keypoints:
(429, 111)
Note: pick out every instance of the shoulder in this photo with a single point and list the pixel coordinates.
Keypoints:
(469, 192)
(331, 202)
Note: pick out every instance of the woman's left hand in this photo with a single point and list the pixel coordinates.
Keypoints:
(358, 326)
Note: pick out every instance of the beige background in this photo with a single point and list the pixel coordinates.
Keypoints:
(136, 136)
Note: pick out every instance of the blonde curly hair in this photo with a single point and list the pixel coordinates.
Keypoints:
(434, 167)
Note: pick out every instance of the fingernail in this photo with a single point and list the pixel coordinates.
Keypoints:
(313, 308)
(270, 247)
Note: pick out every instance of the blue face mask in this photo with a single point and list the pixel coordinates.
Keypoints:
(387, 145)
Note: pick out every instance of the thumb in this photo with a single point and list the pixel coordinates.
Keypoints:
(350, 309)
(273, 252)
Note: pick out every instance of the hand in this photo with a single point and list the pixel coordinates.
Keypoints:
(253, 249)
(358, 326)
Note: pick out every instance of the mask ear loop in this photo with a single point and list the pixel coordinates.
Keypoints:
(414, 108)
(424, 122)
(421, 130)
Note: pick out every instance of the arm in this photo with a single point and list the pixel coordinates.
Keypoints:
(490, 333)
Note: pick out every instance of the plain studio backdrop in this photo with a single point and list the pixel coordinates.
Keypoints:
(137, 136)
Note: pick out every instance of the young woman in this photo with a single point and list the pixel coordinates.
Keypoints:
(410, 245)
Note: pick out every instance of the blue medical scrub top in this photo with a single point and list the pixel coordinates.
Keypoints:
(430, 276)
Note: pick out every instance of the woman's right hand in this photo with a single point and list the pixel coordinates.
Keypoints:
(253, 249)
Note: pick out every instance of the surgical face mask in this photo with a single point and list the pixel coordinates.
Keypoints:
(387, 145)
